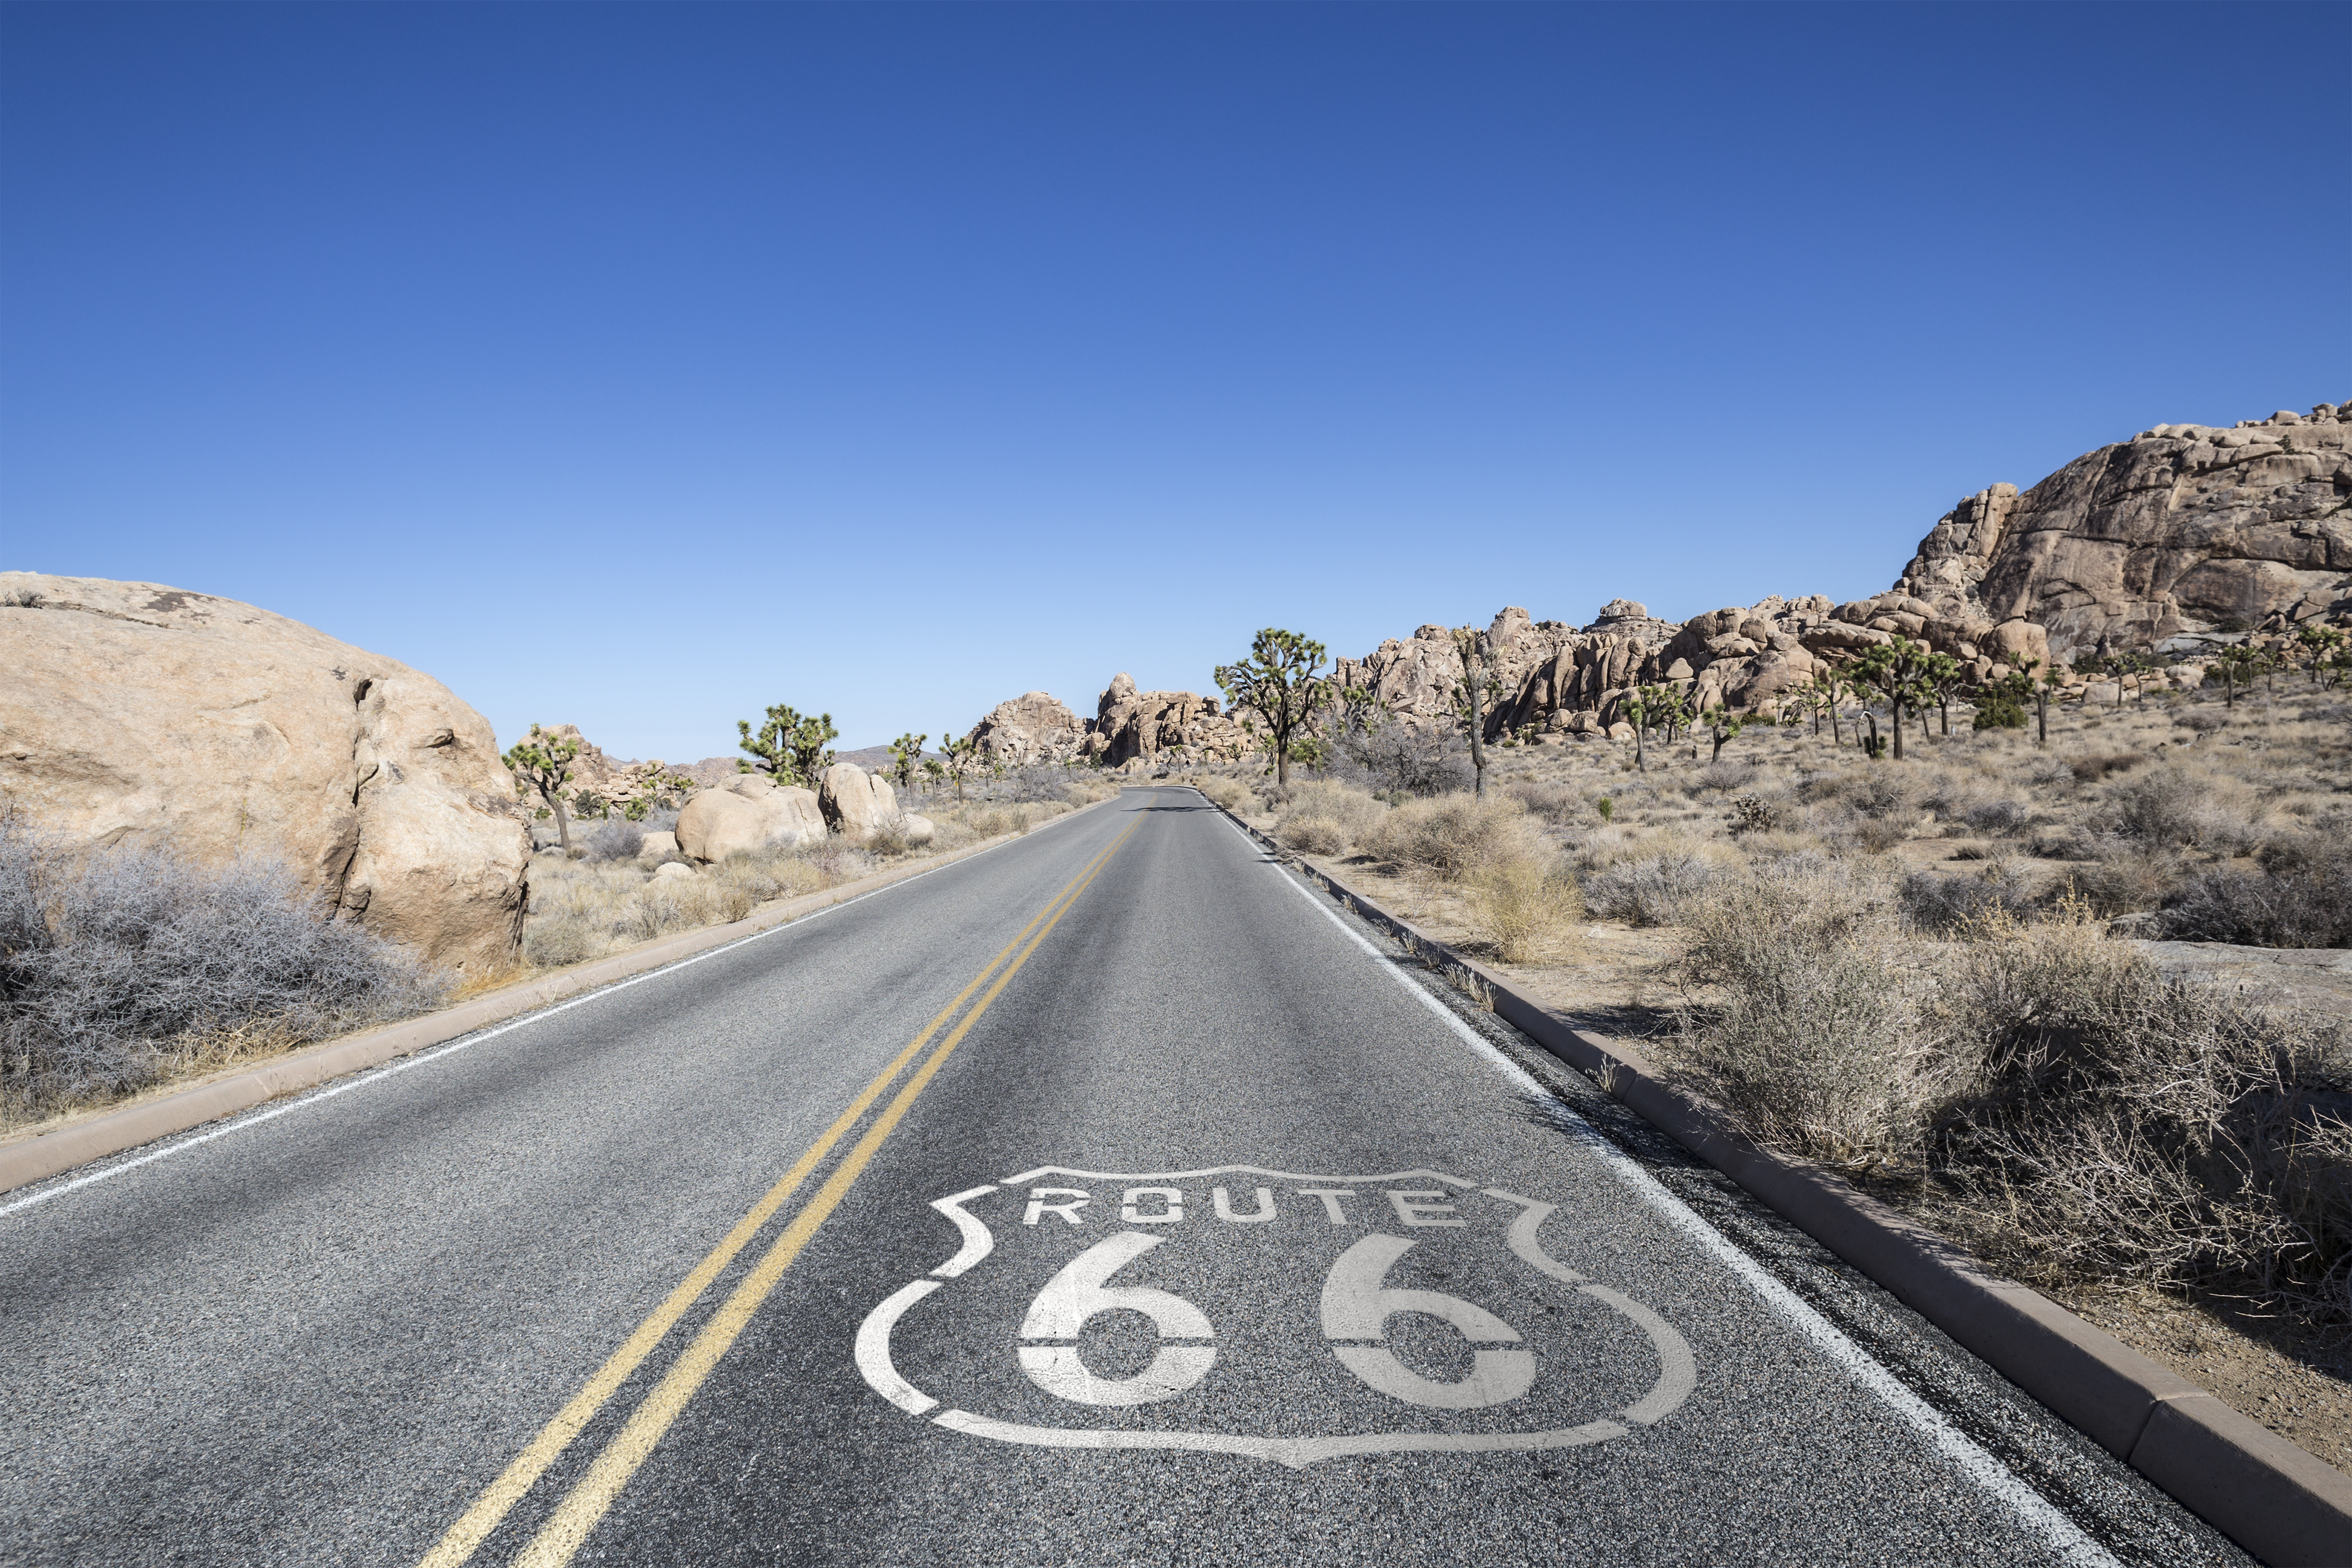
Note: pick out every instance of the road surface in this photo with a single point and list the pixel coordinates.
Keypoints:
(1105, 1198)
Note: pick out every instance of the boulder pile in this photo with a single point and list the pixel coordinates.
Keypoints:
(752, 812)
(1129, 728)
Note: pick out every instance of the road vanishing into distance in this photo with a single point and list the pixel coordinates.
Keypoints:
(1107, 1197)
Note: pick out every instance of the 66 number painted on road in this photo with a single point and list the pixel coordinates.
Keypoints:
(1356, 1306)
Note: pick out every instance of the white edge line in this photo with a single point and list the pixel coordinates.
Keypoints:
(1988, 1472)
(402, 1064)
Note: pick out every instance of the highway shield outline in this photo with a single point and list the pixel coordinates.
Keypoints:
(1354, 1302)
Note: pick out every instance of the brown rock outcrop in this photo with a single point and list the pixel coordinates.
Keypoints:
(134, 713)
(2181, 530)
(1130, 725)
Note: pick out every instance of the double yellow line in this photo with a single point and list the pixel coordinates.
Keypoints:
(586, 1504)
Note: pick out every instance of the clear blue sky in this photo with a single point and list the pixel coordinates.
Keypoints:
(638, 366)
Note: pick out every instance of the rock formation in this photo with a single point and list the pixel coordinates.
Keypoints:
(134, 713)
(1138, 726)
(1032, 729)
(2180, 537)
(1128, 727)
(2183, 529)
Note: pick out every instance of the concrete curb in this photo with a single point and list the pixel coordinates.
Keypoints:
(2279, 1502)
(33, 1156)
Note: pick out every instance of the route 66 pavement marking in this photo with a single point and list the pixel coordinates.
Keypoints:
(1090, 1233)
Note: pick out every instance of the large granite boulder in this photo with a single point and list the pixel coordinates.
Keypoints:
(856, 804)
(752, 813)
(132, 713)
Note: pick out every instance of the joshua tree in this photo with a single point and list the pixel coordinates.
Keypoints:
(1945, 677)
(1280, 682)
(1722, 725)
(1896, 671)
(1470, 700)
(787, 748)
(543, 763)
(905, 753)
(960, 757)
(2321, 645)
(1653, 705)
(647, 792)
(2237, 663)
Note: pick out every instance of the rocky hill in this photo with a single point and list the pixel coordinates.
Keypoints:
(2184, 528)
(2180, 540)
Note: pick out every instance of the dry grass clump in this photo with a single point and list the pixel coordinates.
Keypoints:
(1451, 835)
(584, 909)
(1229, 793)
(1525, 906)
(120, 966)
(1327, 816)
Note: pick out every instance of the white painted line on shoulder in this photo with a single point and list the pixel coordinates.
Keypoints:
(2073, 1545)
(378, 1073)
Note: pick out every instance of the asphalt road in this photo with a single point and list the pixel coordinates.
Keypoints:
(1105, 1198)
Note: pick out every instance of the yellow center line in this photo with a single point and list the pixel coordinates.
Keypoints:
(475, 1525)
(580, 1512)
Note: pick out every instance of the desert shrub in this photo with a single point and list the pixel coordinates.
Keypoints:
(1229, 793)
(1999, 710)
(111, 962)
(2299, 895)
(1399, 759)
(1033, 783)
(1314, 835)
(1554, 800)
(1725, 776)
(615, 838)
(554, 941)
(1884, 792)
(1451, 836)
(2187, 804)
(1998, 816)
(1753, 814)
(1933, 902)
(1650, 884)
(2125, 1125)
(2063, 841)
(1348, 814)
(2096, 766)
(1812, 1034)
(1526, 906)
(2121, 880)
